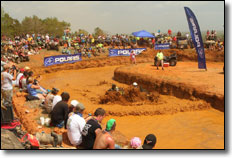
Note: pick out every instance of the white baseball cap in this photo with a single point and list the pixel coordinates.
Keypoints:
(74, 103)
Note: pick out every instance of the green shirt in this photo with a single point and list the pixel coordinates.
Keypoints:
(160, 55)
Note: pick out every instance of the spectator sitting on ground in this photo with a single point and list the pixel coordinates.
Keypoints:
(149, 142)
(31, 89)
(22, 82)
(19, 76)
(91, 129)
(49, 99)
(59, 114)
(135, 143)
(75, 125)
(57, 98)
(73, 104)
(104, 138)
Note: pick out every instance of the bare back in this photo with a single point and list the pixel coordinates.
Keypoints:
(104, 141)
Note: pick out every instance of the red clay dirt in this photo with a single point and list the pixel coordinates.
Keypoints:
(183, 117)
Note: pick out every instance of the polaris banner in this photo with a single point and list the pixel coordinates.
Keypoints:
(60, 59)
(124, 52)
(162, 46)
(196, 37)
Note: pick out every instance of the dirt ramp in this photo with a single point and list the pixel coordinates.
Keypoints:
(129, 96)
(177, 83)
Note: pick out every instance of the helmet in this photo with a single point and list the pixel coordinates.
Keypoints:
(135, 84)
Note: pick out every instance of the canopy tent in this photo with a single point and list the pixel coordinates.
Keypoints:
(143, 33)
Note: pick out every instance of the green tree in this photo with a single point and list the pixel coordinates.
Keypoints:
(54, 27)
(98, 32)
(9, 26)
(82, 31)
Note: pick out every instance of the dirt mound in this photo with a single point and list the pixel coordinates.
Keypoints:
(129, 96)
(178, 81)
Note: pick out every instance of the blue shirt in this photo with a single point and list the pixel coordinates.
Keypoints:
(31, 91)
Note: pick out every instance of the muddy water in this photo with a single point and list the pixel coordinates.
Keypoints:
(202, 129)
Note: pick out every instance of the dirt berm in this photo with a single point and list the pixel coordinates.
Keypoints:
(183, 81)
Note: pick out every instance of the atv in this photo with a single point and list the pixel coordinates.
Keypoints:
(172, 60)
(182, 42)
(52, 45)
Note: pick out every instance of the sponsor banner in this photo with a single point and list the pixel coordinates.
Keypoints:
(196, 36)
(162, 46)
(60, 59)
(124, 52)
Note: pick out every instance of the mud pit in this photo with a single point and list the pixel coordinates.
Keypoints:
(179, 121)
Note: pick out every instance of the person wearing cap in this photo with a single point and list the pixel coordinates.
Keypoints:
(49, 99)
(27, 68)
(7, 85)
(91, 129)
(59, 114)
(75, 124)
(73, 104)
(149, 141)
(104, 138)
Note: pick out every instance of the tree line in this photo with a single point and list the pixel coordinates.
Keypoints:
(11, 27)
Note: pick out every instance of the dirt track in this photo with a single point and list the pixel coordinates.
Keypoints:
(179, 121)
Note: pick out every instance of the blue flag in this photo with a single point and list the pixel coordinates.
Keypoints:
(196, 37)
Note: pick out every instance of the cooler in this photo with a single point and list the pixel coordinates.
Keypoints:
(166, 64)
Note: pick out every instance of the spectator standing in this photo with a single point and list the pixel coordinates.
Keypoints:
(132, 57)
(7, 85)
(160, 58)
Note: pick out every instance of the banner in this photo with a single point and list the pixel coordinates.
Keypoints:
(162, 46)
(196, 37)
(60, 59)
(125, 52)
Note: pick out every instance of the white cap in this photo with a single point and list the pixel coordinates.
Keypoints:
(74, 103)
(135, 84)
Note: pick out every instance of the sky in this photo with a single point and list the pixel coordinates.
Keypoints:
(122, 16)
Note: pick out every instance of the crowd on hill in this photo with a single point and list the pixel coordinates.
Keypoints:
(83, 132)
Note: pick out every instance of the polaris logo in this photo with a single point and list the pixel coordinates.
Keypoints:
(197, 39)
(64, 59)
(127, 52)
